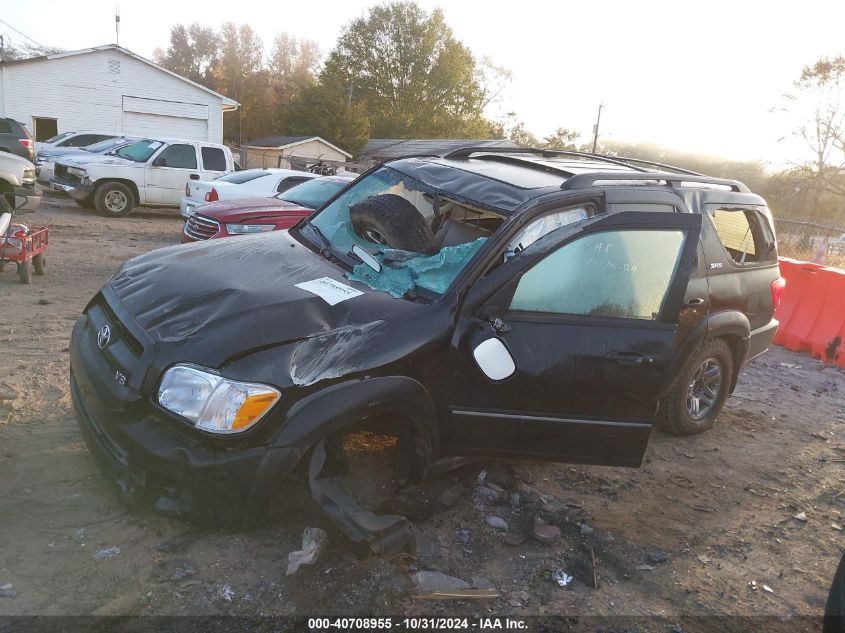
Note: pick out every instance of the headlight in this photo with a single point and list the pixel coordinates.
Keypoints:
(28, 175)
(214, 403)
(77, 171)
(240, 229)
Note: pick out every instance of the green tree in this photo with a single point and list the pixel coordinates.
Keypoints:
(192, 52)
(324, 112)
(239, 72)
(413, 76)
(521, 136)
(562, 138)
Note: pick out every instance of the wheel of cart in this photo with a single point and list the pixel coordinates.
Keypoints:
(24, 247)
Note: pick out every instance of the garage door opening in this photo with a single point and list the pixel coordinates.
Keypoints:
(44, 128)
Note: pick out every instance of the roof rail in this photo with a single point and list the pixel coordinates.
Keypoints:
(586, 180)
(466, 152)
(681, 170)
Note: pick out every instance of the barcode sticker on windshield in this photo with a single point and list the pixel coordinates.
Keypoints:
(329, 290)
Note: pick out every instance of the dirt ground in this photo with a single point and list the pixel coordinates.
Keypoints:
(684, 535)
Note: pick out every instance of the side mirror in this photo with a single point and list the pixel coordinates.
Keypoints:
(161, 161)
(494, 359)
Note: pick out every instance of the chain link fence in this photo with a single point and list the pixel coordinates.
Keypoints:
(810, 241)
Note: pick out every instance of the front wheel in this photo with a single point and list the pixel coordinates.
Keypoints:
(39, 263)
(700, 391)
(114, 199)
(23, 272)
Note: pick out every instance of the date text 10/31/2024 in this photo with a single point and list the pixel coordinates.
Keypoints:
(318, 625)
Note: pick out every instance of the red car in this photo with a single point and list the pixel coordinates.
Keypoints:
(256, 215)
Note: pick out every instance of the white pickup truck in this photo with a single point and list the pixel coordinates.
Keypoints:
(17, 182)
(149, 172)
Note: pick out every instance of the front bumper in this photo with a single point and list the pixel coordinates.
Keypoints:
(31, 196)
(155, 459)
(76, 190)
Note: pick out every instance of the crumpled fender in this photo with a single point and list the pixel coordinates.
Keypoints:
(342, 404)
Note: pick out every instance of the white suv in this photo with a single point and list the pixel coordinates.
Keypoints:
(149, 172)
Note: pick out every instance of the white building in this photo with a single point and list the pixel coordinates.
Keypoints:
(109, 89)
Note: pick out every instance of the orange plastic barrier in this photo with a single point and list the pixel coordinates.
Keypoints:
(812, 311)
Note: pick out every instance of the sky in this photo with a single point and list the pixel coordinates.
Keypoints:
(702, 77)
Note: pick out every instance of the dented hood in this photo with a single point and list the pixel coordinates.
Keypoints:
(209, 302)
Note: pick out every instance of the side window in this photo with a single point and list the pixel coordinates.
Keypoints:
(287, 183)
(544, 225)
(84, 139)
(213, 159)
(623, 273)
(744, 235)
(5, 128)
(177, 156)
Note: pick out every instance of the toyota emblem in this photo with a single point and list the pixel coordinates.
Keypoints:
(104, 336)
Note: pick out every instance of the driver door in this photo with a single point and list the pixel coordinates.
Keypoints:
(565, 357)
(168, 171)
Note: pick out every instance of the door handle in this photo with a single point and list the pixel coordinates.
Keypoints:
(194, 176)
(629, 358)
(693, 303)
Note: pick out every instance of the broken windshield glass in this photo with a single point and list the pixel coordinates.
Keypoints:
(421, 237)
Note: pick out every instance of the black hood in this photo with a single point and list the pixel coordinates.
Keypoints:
(211, 301)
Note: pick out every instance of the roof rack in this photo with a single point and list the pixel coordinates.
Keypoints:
(586, 180)
(466, 152)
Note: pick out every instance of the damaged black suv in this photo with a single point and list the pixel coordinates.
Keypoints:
(531, 304)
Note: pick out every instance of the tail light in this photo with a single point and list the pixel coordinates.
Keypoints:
(27, 143)
(778, 287)
(212, 196)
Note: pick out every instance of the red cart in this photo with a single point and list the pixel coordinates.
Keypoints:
(23, 249)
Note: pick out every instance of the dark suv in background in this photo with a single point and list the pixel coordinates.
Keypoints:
(16, 139)
(531, 304)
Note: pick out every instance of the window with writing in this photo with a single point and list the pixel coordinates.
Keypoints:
(624, 274)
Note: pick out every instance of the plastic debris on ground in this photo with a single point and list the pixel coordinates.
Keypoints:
(801, 516)
(314, 541)
(435, 585)
(401, 271)
(106, 553)
(562, 578)
(497, 523)
(545, 532)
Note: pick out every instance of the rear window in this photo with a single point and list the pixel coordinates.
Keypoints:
(213, 159)
(240, 177)
(58, 137)
(313, 193)
(745, 235)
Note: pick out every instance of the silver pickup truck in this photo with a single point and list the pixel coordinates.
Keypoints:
(17, 178)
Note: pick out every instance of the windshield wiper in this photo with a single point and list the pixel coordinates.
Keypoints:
(327, 245)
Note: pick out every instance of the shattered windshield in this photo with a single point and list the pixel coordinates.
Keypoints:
(420, 237)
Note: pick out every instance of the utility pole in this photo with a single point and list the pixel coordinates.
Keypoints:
(349, 95)
(596, 128)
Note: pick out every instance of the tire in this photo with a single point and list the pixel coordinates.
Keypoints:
(693, 390)
(392, 221)
(39, 263)
(23, 272)
(114, 199)
(85, 203)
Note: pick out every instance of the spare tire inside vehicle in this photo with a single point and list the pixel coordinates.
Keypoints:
(392, 221)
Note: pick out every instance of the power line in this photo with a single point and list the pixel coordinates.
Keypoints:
(23, 34)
